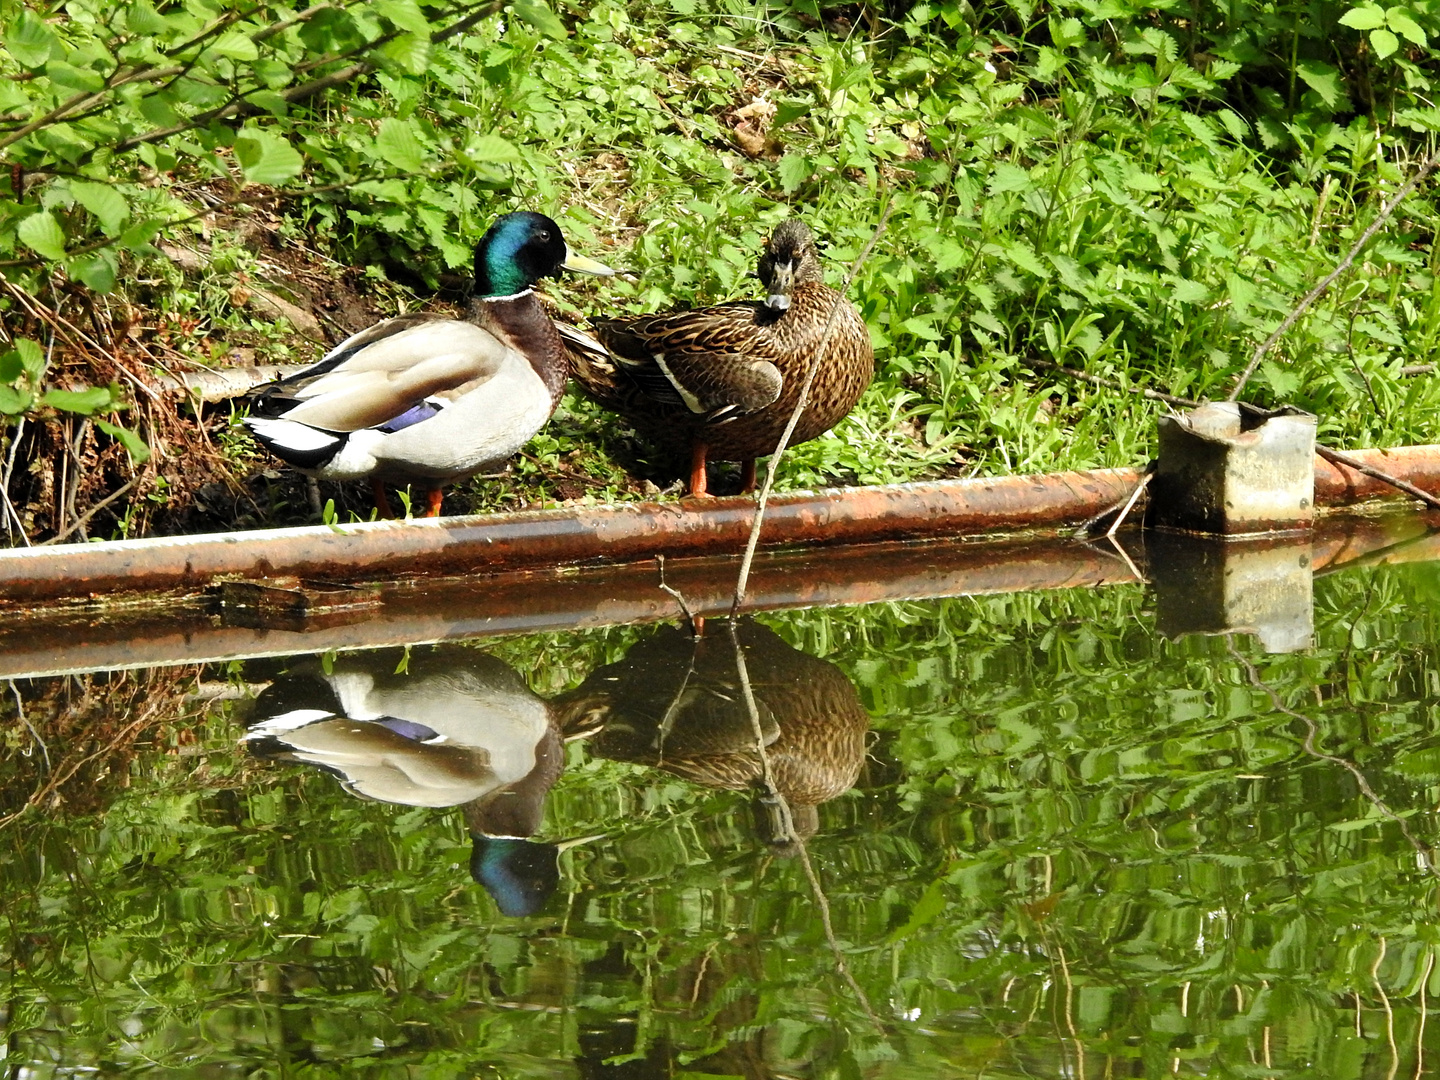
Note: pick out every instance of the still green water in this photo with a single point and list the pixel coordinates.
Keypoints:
(1031, 837)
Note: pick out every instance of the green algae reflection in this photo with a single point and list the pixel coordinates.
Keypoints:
(1064, 845)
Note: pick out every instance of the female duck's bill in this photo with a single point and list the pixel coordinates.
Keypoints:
(429, 401)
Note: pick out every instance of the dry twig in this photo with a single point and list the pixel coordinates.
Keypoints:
(1337, 458)
(773, 465)
(1314, 294)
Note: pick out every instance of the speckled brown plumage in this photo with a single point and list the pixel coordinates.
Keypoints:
(721, 382)
(676, 703)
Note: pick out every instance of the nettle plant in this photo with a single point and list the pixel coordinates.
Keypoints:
(117, 118)
(124, 122)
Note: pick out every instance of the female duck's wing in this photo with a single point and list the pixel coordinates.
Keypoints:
(384, 372)
(717, 362)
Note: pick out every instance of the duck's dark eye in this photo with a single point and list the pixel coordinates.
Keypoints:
(544, 234)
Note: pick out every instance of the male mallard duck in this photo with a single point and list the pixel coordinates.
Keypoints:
(722, 381)
(432, 400)
(455, 727)
(676, 702)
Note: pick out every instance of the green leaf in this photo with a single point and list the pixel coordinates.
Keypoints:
(1022, 255)
(267, 159)
(1237, 127)
(98, 272)
(134, 445)
(931, 904)
(1384, 43)
(1007, 177)
(1400, 21)
(73, 78)
(491, 149)
(397, 143)
(538, 14)
(1066, 33)
(1324, 79)
(1364, 17)
(235, 45)
(405, 14)
(159, 110)
(30, 41)
(1284, 383)
(794, 170)
(790, 109)
(948, 254)
(102, 200)
(13, 401)
(139, 235)
(270, 101)
(42, 233)
(1187, 291)
(91, 400)
(920, 327)
(142, 18)
(32, 358)
(410, 52)
(1355, 824)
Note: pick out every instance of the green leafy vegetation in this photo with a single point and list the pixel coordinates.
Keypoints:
(1076, 846)
(1138, 193)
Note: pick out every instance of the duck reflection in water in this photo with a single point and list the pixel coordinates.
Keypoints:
(449, 726)
(677, 703)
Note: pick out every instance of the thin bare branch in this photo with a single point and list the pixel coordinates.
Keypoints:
(1337, 458)
(773, 465)
(1111, 384)
(82, 521)
(236, 199)
(773, 794)
(309, 89)
(1312, 733)
(1329, 279)
(11, 512)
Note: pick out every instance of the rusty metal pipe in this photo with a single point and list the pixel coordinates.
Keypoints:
(617, 534)
(564, 537)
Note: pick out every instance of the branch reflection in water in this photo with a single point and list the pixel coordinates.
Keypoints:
(451, 726)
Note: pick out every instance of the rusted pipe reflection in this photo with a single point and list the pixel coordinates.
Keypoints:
(448, 609)
(58, 640)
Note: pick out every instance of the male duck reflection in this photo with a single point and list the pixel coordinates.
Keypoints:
(455, 727)
(677, 703)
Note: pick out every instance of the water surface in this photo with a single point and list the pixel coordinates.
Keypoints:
(1027, 836)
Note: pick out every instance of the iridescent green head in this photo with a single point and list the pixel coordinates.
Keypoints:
(520, 249)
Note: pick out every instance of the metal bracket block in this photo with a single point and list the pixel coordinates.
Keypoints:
(1230, 469)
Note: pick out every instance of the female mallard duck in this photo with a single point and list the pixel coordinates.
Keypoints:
(722, 381)
(449, 726)
(676, 702)
(431, 400)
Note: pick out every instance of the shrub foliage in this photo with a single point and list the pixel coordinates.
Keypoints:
(1139, 192)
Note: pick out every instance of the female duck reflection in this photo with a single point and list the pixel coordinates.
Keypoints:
(460, 728)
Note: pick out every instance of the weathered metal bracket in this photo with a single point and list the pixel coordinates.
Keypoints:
(1230, 469)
